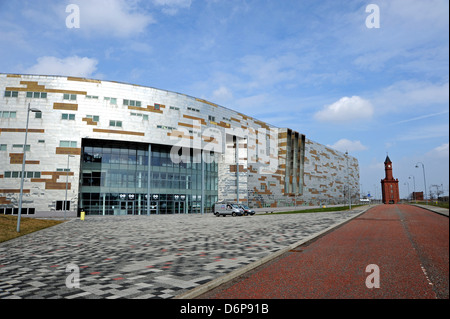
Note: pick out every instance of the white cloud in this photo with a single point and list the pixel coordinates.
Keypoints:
(376, 166)
(344, 145)
(73, 66)
(264, 71)
(410, 94)
(417, 118)
(346, 110)
(411, 33)
(424, 132)
(171, 7)
(441, 151)
(389, 145)
(120, 18)
(222, 94)
(253, 104)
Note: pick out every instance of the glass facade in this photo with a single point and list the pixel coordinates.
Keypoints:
(114, 180)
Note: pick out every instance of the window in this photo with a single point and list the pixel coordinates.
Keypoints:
(67, 143)
(37, 115)
(8, 114)
(41, 141)
(211, 118)
(66, 116)
(11, 93)
(115, 123)
(94, 97)
(25, 211)
(2, 147)
(196, 133)
(18, 174)
(27, 148)
(175, 108)
(72, 97)
(111, 100)
(95, 118)
(37, 95)
(132, 103)
(157, 106)
(144, 116)
(165, 127)
(61, 203)
(193, 109)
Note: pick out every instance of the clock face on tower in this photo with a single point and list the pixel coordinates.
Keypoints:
(389, 166)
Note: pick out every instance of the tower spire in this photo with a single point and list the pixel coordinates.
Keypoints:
(387, 160)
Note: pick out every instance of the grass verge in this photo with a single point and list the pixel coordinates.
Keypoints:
(316, 210)
(8, 226)
(438, 204)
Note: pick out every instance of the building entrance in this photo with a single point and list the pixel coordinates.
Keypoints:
(179, 208)
(127, 208)
(118, 177)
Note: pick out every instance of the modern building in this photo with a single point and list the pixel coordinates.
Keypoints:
(111, 148)
(389, 185)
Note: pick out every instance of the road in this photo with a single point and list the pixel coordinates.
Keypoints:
(402, 248)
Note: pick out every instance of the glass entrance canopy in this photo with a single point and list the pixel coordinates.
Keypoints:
(115, 175)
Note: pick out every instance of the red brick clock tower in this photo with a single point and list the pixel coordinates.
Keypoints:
(389, 185)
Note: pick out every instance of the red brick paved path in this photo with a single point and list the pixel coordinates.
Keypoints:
(409, 245)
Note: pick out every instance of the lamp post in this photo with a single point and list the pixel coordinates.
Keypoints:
(414, 185)
(406, 183)
(424, 181)
(375, 192)
(67, 182)
(23, 165)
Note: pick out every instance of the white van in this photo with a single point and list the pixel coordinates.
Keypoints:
(225, 208)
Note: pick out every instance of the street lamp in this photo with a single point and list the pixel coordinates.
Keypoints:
(414, 184)
(23, 165)
(424, 181)
(67, 182)
(375, 193)
(406, 183)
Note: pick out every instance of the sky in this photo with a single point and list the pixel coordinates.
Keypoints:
(367, 77)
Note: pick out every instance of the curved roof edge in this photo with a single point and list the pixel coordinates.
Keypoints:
(131, 84)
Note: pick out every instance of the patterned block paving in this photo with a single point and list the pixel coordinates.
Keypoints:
(145, 256)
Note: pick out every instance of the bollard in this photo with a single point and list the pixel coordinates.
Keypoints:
(82, 215)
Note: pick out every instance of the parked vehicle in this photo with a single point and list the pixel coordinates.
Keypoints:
(226, 208)
(247, 210)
